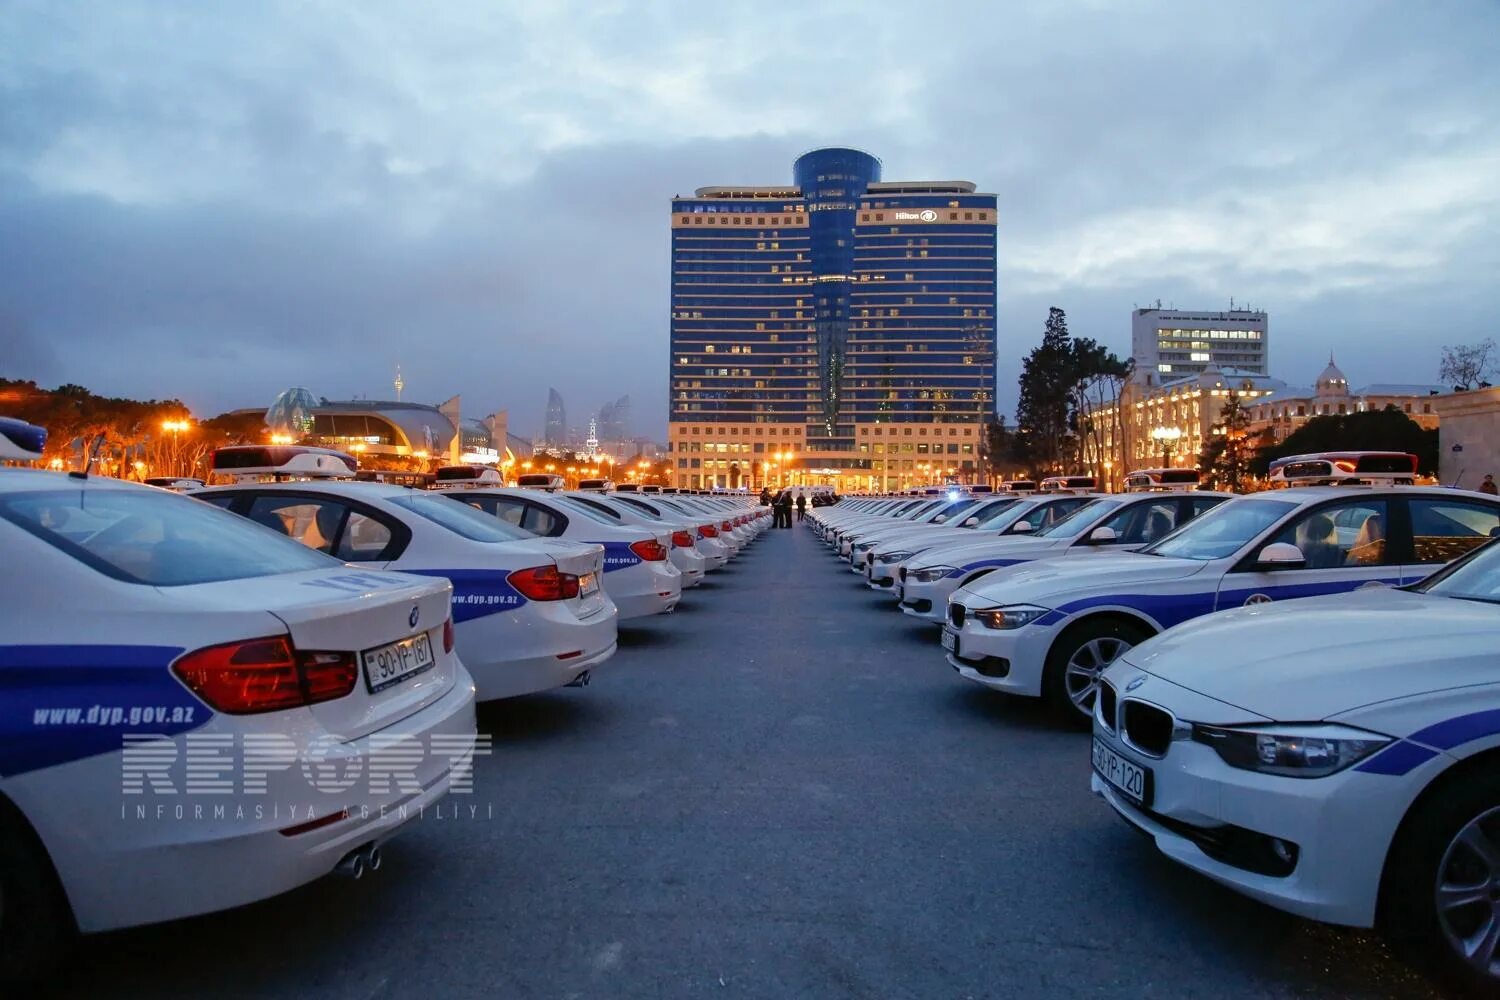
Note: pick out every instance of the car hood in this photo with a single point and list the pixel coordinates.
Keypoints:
(1053, 582)
(1314, 658)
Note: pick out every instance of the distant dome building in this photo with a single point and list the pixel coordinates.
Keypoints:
(292, 412)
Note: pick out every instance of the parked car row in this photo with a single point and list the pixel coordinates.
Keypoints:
(309, 646)
(1294, 693)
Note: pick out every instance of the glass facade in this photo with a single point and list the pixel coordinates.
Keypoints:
(839, 301)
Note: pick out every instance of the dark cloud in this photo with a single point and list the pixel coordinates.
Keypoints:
(217, 202)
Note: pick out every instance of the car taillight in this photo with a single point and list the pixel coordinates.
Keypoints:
(682, 539)
(707, 531)
(448, 636)
(265, 675)
(727, 526)
(544, 583)
(650, 550)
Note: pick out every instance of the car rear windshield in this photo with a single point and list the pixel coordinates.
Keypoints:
(156, 538)
(460, 518)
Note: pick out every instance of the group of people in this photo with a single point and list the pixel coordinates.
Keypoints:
(781, 504)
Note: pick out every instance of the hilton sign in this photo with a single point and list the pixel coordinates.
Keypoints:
(926, 215)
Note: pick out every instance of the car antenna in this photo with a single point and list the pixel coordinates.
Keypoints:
(92, 457)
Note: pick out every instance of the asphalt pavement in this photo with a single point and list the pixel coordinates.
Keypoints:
(781, 790)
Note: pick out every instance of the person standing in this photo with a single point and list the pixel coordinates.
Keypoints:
(1488, 486)
(784, 509)
(765, 496)
(801, 506)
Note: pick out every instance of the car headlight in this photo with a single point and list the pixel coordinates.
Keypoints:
(894, 557)
(1008, 618)
(930, 574)
(1294, 751)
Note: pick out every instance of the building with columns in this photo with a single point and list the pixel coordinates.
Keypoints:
(1283, 411)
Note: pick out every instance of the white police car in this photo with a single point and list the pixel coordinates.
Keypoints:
(1009, 520)
(684, 551)
(864, 542)
(926, 579)
(1049, 627)
(638, 575)
(1335, 757)
(530, 613)
(173, 682)
(717, 551)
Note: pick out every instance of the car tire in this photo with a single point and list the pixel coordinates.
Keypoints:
(1077, 658)
(1442, 850)
(36, 925)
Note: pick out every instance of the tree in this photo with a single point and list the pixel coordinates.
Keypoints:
(1468, 366)
(1227, 453)
(1045, 382)
(1373, 430)
(996, 446)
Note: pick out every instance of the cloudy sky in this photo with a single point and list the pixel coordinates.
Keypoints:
(217, 200)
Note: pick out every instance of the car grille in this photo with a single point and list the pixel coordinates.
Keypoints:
(1146, 727)
(956, 613)
(1108, 705)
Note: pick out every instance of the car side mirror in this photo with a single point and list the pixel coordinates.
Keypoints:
(1103, 535)
(1022, 527)
(1281, 555)
(970, 522)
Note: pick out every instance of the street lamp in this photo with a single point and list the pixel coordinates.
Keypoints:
(176, 427)
(1167, 438)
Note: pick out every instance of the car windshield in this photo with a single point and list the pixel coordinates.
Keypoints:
(989, 510)
(156, 538)
(460, 518)
(1474, 579)
(1076, 522)
(1222, 531)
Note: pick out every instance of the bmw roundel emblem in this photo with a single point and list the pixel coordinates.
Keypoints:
(1135, 684)
(1255, 599)
(411, 619)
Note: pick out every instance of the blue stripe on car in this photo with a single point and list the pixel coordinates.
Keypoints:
(63, 703)
(1460, 730)
(1397, 759)
(981, 564)
(618, 555)
(477, 592)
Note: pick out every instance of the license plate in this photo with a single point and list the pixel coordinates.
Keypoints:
(395, 662)
(588, 585)
(950, 641)
(1130, 779)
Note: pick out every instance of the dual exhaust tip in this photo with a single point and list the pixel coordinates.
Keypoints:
(358, 861)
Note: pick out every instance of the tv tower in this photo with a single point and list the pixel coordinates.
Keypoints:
(399, 384)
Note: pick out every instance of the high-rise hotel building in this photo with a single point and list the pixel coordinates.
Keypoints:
(840, 329)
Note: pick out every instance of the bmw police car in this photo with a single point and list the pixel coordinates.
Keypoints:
(1099, 524)
(864, 541)
(638, 576)
(1333, 757)
(153, 646)
(1010, 520)
(1048, 628)
(717, 550)
(530, 613)
(684, 551)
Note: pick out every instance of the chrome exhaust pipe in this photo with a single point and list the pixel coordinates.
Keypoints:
(352, 866)
(582, 680)
(372, 858)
